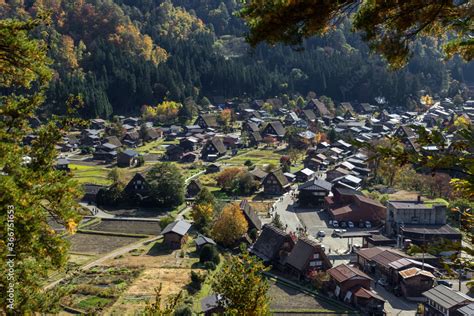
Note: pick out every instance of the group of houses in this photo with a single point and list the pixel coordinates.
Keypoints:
(285, 251)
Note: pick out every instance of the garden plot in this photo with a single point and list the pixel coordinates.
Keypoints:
(88, 243)
(170, 268)
(95, 290)
(258, 157)
(127, 226)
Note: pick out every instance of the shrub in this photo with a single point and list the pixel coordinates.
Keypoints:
(196, 280)
(183, 311)
(209, 253)
(165, 221)
(253, 234)
(209, 265)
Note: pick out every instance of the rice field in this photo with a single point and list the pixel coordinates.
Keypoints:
(258, 157)
(90, 174)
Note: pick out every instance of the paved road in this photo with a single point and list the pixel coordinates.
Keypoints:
(97, 211)
(396, 306)
(284, 207)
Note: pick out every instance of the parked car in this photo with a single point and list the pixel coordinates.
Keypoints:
(335, 224)
(368, 224)
(321, 233)
(361, 224)
(336, 232)
(354, 248)
(350, 224)
(382, 282)
(444, 282)
(343, 224)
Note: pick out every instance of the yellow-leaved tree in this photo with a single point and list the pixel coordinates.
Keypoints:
(202, 214)
(167, 110)
(230, 226)
(242, 286)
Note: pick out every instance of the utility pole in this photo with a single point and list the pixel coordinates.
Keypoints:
(424, 250)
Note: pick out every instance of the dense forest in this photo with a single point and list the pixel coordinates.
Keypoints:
(123, 54)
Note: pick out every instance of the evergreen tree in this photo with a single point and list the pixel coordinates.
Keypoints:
(32, 191)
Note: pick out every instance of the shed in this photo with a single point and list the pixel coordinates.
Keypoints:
(176, 233)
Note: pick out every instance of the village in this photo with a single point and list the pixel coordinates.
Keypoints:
(343, 234)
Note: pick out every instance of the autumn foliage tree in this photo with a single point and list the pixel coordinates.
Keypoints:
(236, 180)
(225, 117)
(202, 215)
(167, 110)
(226, 178)
(242, 286)
(230, 225)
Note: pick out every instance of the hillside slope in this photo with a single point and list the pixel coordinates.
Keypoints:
(122, 54)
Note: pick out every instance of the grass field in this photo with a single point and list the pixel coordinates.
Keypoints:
(155, 147)
(258, 157)
(90, 174)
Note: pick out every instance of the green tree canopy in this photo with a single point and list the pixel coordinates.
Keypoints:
(390, 27)
(166, 184)
(32, 191)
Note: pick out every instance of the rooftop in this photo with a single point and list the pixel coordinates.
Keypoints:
(344, 272)
(180, 227)
(446, 297)
(411, 272)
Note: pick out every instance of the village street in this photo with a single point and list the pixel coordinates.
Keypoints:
(396, 306)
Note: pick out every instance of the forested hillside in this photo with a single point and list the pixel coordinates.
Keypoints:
(122, 54)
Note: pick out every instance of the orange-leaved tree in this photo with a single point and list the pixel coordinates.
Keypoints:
(230, 226)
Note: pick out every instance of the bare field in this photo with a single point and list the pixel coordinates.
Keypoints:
(261, 208)
(98, 244)
(125, 226)
(142, 290)
(171, 269)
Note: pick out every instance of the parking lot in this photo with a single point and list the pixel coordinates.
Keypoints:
(318, 220)
(314, 221)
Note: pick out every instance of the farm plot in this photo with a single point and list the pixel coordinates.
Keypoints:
(90, 174)
(95, 290)
(142, 291)
(127, 226)
(88, 243)
(258, 157)
(161, 266)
